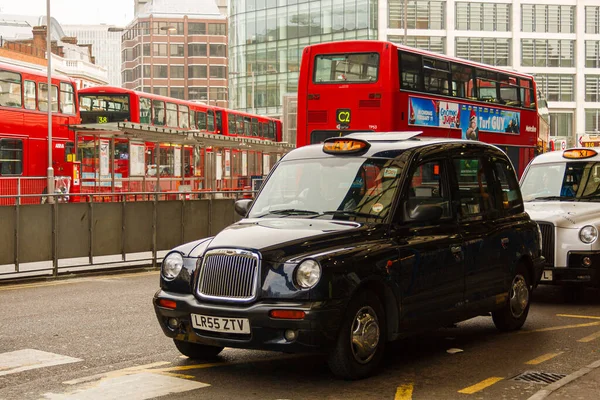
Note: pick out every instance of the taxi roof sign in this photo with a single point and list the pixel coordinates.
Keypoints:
(579, 153)
(344, 146)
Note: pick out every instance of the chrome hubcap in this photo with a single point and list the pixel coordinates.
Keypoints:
(364, 335)
(519, 296)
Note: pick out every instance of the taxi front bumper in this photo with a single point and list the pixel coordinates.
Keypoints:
(575, 273)
(317, 331)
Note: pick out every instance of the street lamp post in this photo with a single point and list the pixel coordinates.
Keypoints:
(168, 29)
(50, 181)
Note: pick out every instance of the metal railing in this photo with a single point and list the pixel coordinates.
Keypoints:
(58, 238)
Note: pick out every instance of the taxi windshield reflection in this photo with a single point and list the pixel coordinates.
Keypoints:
(332, 188)
(572, 181)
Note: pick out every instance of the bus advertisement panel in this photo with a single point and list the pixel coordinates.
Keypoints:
(351, 86)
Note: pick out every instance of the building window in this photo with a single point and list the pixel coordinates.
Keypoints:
(196, 71)
(430, 43)
(547, 53)
(420, 14)
(592, 88)
(547, 18)
(217, 29)
(486, 50)
(197, 93)
(561, 124)
(217, 71)
(557, 87)
(160, 71)
(218, 50)
(592, 19)
(177, 50)
(592, 53)
(218, 93)
(177, 71)
(11, 157)
(196, 28)
(159, 49)
(592, 120)
(197, 50)
(483, 17)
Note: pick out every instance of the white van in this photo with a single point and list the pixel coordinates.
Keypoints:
(561, 191)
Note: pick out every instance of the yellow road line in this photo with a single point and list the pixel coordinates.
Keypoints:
(593, 336)
(542, 358)
(578, 316)
(226, 363)
(558, 328)
(481, 385)
(404, 392)
(119, 372)
(76, 280)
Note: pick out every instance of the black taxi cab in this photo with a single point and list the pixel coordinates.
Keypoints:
(354, 243)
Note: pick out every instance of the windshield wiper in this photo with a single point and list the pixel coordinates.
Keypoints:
(350, 213)
(289, 211)
(553, 198)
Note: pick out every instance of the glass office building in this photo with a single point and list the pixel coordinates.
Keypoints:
(558, 42)
(266, 38)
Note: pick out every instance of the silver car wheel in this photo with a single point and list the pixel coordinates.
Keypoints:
(519, 296)
(364, 335)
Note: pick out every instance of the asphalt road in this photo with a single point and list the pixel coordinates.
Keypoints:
(97, 338)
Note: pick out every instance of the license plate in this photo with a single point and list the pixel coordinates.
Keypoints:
(547, 276)
(221, 324)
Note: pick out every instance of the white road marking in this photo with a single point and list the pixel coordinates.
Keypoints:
(140, 386)
(27, 359)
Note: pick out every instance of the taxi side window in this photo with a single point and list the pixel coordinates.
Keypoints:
(474, 188)
(428, 187)
(511, 194)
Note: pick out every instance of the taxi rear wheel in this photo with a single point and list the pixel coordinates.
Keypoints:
(361, 340)
(513, 314)
(197, 351)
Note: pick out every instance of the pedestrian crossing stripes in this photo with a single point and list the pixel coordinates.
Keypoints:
(28, 359)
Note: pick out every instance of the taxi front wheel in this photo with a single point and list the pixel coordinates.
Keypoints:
(197, 351)
(361, 340)
(513, 314)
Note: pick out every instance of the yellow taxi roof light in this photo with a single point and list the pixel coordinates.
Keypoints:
(579, 153)
(341, 146)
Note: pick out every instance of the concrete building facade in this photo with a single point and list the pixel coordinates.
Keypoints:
(177, 48)
(106, 46)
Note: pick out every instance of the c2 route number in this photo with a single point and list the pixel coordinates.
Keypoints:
(342, 116)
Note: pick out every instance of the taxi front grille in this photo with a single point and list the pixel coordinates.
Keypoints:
(229, 275)
(547, 241)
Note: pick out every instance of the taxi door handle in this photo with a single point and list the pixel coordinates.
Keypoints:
(504, 243)
(455, 249)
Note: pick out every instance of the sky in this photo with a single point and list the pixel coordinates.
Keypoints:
(71, 12)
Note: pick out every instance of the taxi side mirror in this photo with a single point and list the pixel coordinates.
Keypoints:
(426, 212)
(242, 206)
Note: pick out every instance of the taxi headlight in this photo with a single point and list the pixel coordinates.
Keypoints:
(308, 274)
(588, 234)
(171, 265)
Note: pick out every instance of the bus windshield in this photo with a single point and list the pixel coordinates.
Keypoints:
(351, 67)
(104, 108)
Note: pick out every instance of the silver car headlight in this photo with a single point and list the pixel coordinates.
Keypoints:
(588, 234)
(171, 265)
(308, 273)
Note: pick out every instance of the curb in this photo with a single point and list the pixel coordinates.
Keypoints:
(542, 394)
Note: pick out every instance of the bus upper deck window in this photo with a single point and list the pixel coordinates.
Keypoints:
(351, 67)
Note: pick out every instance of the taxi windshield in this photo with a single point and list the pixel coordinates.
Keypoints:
(333, 188)
(569, 181)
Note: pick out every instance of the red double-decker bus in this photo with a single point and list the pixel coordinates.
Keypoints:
(352, 86)
(24, 130)
(107, 104)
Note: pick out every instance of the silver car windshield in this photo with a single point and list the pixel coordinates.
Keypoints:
(571, 181)
(335, 188)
